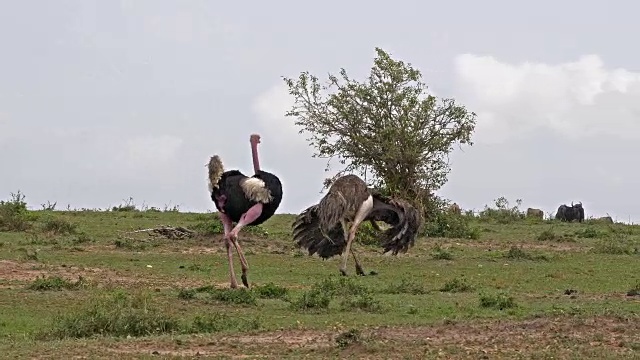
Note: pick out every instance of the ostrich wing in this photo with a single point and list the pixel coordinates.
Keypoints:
(404, 219)
(307, 234)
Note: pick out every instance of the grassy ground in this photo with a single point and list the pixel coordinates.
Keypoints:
(81, 284)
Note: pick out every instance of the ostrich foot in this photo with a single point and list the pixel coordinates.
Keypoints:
(233, 284)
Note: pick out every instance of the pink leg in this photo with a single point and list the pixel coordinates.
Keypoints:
(227, 225)
(246, 218)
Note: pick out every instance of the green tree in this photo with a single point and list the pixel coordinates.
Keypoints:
(387, 127)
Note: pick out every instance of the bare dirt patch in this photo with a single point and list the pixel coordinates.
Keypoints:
(14, 274)
(561, 337)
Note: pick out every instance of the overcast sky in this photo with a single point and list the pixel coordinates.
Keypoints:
(105, 100)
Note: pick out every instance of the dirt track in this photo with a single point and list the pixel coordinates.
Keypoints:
(562, 337)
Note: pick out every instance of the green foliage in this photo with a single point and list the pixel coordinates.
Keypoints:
(56, 283)
(127, 206)
(58, 226)
(217, 322)
(211, 226)
(122, 314)
(615, 246)
(230, 296)
(449, 225)
(590, 233)
(405, 286)
(347, 338)
(500, 301)
(363, 301)
(14, 215)
(517, 253)
(550, 235)
(441, 254)
(270, 291)
(456, 285)
(353, 295)
(635, 290)
(502, 213)
(117, 315)
(367, 235)
(387, 126)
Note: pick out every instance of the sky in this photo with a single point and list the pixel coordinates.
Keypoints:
(102, 101)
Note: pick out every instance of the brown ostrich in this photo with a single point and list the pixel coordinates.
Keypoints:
(323, 228)
(247, 201)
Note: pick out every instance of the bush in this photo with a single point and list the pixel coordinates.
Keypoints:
(117, 315)
(121, 314)
(615, 246)
(498, 301)
(502, 213)
(456, 285)
(58, 226)
(441, 254)
(14, 215)
(321, 293)
(448, 225)
(229, 296)
(270, 291)
(55, 283)
(405, 287)
(550, 235)
(367, 235)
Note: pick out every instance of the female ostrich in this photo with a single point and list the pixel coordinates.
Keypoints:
(322, 228)
(247, 201)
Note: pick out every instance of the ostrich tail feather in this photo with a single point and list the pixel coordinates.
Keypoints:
(215, 171)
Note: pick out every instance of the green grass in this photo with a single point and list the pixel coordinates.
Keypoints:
(79, 282)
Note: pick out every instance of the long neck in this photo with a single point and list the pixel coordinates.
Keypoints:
(254, 154)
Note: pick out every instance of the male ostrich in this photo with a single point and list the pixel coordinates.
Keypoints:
(322, 228)
(244, 200)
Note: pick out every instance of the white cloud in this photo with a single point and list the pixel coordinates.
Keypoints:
(270, 108)
(575, 99)
(152, 151)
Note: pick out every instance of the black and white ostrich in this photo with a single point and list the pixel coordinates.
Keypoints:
(247, 201)
(323, 228)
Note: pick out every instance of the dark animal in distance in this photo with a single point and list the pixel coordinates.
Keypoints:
(454, 209)
(323, 228)
(247, 201)
(570, 213)
(606, 219)
(535, 213)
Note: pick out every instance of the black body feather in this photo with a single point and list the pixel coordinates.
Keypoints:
(236, 202)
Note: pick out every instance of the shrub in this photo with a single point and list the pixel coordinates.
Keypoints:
(405, 287)
(448, 225)
(456, 285)
(353, 295)
(500, 301)
(58, 226)
(502, 213)
(550, 235)
(14, 215)
(270, 291)
(367, 235)
(56, 283)
(441, 254)
(117, 315)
